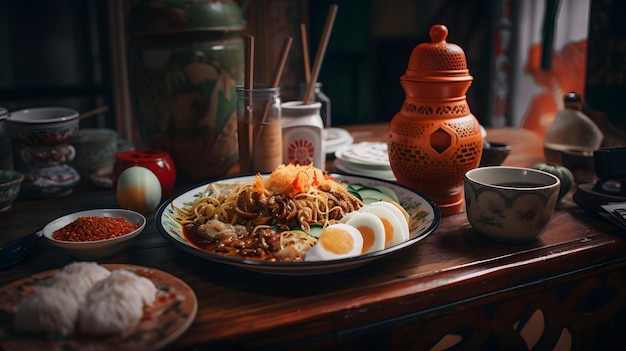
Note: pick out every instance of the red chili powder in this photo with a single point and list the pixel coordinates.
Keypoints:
(93, 228)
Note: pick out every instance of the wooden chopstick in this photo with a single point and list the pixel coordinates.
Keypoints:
(319, 57)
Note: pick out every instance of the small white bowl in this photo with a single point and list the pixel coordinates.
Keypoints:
(10, 183)
(99, 249)
(510, 204)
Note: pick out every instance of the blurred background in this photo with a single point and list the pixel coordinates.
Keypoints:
(74, 53)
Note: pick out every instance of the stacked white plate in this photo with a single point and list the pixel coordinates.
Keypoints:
(365, 159)
(336, 138)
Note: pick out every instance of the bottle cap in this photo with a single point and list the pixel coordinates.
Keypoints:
(572, 100)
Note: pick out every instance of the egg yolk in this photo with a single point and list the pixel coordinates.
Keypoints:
(368, 237)
(337, 241)
(404, 212)
(388, 230)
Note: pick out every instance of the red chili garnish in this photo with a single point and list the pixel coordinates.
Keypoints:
(300, 181)
(316, 181)
(93, 228)
(326, 176)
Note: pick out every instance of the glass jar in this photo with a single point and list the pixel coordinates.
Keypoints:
(320, 97)
(259, 129)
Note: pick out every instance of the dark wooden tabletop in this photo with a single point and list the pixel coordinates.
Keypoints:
(452, 268)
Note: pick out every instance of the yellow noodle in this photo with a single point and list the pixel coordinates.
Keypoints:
(312, 206)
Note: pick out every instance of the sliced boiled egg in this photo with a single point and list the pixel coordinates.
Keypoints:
(396, 208)
(371, 228)
(394, 221)
(336, 241)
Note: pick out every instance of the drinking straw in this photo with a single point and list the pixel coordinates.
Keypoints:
(248, 85)
(317, 64)
(305, 53)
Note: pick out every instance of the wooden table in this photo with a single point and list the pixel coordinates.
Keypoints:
(567, 289)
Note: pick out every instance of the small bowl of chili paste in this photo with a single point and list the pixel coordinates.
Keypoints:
(95, 234)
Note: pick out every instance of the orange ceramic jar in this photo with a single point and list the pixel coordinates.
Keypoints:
(434, 138)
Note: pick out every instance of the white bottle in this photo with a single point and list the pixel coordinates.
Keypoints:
(571, 130)
(303, 141)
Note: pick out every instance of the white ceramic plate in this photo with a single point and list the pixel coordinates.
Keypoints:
(365, 153)
(425, 217)
(336, 138)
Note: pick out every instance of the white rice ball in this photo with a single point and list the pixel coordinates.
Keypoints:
(49, 310)
(78, 277)
(116, 303)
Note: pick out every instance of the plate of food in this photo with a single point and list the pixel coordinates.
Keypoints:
(297, 220)
(88, 306)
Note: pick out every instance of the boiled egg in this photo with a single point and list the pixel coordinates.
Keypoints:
(336, 241)
(395, 224)
(371, 228)
(138, 189)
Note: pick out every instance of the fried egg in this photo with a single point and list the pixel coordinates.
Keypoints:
(394, 221)
(371, 228)
(336, 241)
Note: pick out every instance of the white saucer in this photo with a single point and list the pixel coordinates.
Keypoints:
(342, 166)
(371, 154)
(336, 138)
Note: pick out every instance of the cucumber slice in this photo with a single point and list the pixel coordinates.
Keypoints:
(389, 192)
(379, 192)
(373, 195)
(355, 194)
(355, 187)
(316, 230)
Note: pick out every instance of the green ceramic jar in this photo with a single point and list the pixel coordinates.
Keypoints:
(185, 61)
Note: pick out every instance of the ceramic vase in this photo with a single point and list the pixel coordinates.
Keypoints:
(185, 61)
(435, 139)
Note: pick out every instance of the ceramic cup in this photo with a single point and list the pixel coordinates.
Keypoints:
(581, 164)
(95, 150)
(494, 154)
(510, 204)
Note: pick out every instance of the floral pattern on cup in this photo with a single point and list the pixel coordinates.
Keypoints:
(497, 208)
(50, 181)
(48, 156)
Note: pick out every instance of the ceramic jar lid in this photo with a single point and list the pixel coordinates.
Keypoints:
(438, 60)
(174, 16)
